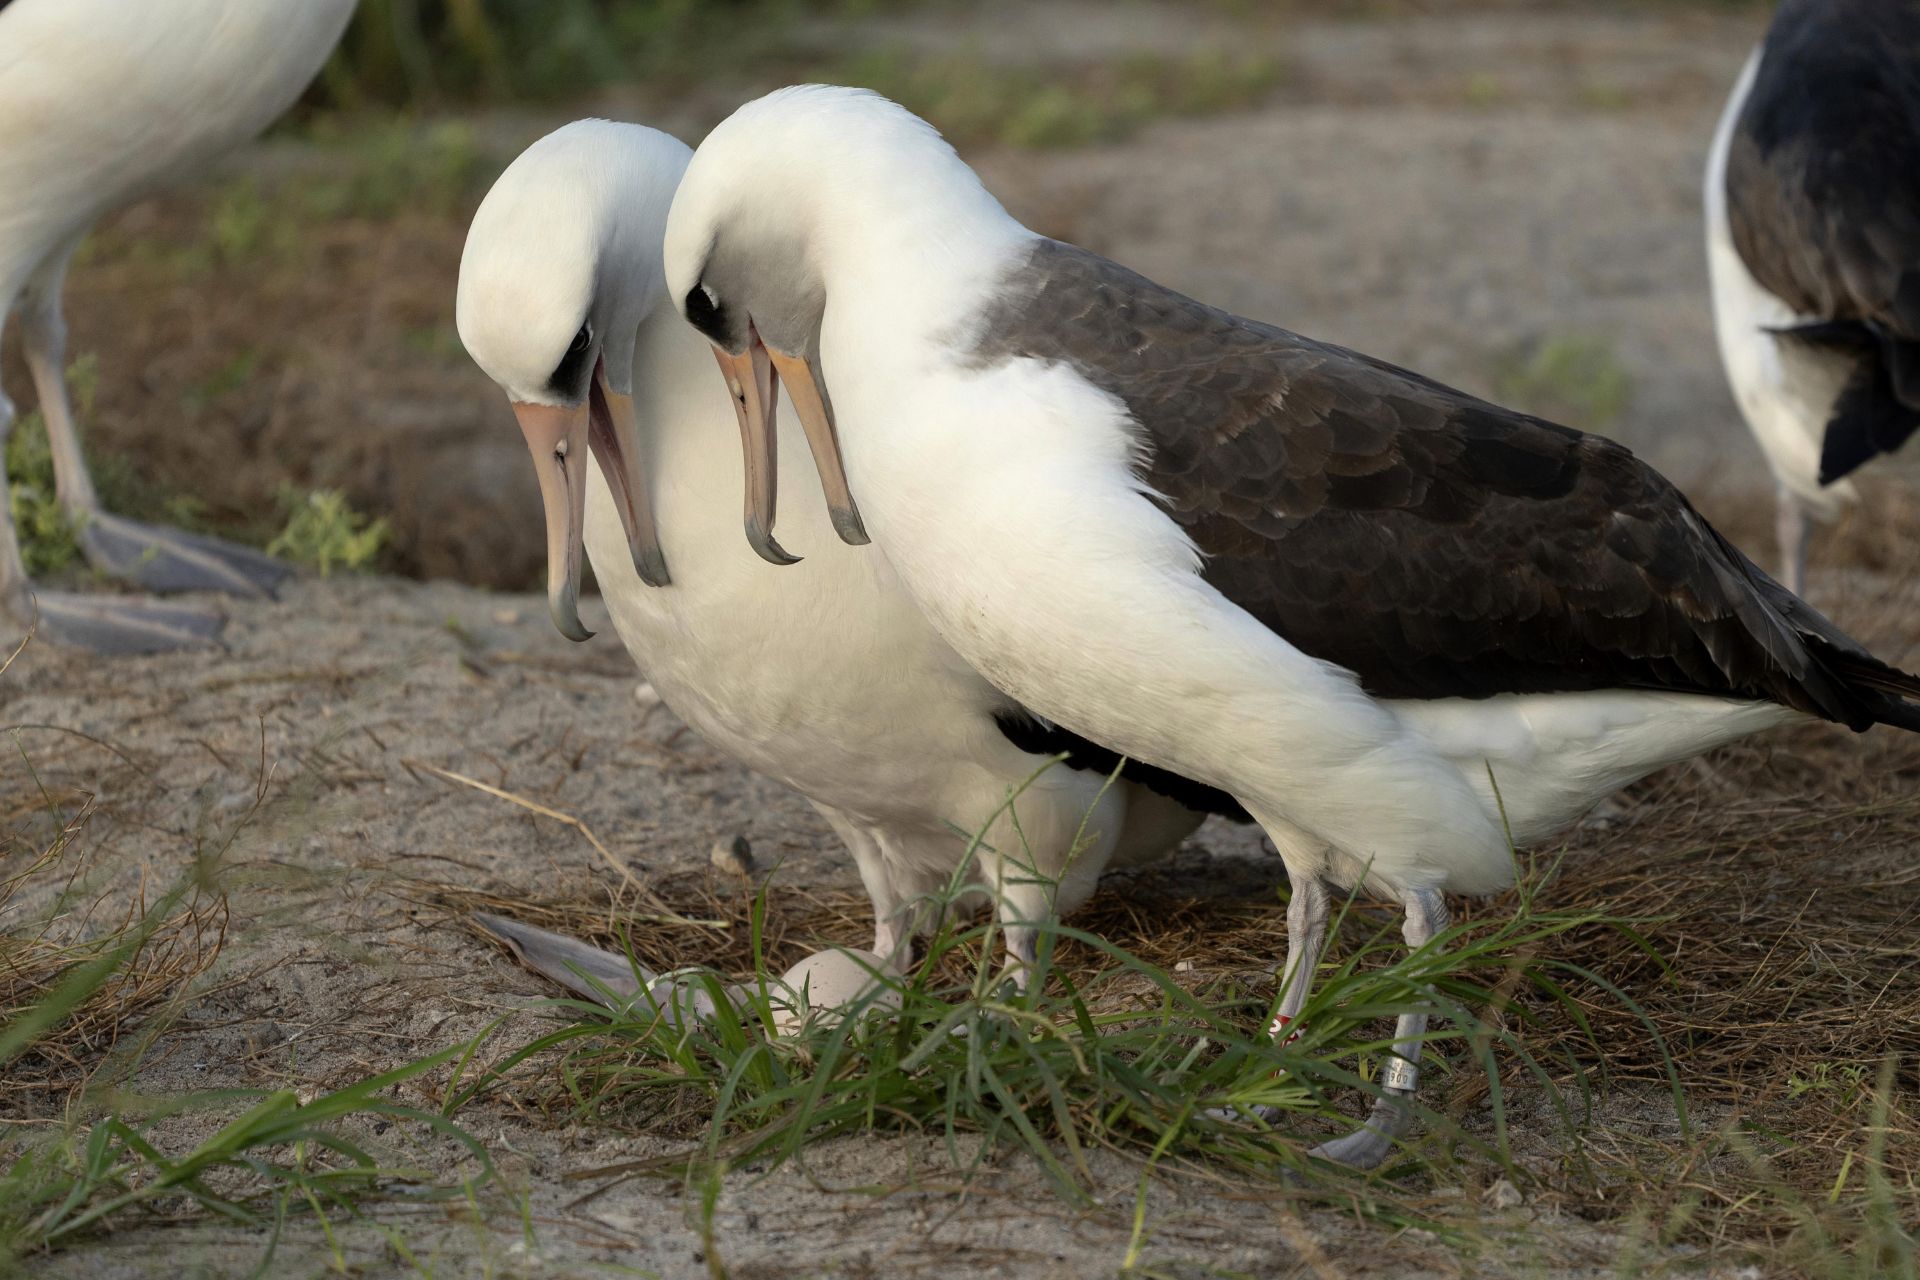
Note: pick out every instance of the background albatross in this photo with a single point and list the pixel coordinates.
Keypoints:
(1813, 242)
(825, 676)
(1354, 599)
(101, 101)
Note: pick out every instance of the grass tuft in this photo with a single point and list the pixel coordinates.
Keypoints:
(1106, 1052)
(81, 1002)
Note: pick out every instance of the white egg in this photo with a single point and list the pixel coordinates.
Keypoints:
(830, 980)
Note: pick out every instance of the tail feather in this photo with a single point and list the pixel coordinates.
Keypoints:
(1851, 685)
(1888, 694)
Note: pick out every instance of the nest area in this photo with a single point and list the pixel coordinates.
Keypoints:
(1772, 929)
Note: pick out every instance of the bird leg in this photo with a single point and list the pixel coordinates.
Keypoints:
(1307, 913)
(102, 624)
(1790, 530)
(1392, 1113)
(898, 919)
(155, 558)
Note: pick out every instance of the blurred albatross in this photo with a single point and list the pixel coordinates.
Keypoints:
(1391, 620)
(100, 102)
(1813, 242)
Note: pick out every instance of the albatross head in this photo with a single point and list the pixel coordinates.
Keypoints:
(561, 267)
(782, 192)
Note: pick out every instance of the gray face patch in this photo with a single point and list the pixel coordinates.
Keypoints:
(772, 285)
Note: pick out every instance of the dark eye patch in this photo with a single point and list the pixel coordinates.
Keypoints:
(569, 379)
(707, 315)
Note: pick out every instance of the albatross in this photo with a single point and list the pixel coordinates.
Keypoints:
(1813, 245)
(100, 102)
(1398, 624)
(823, 676)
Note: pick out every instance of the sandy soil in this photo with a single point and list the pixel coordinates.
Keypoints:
(336, 966)
(1442, 191)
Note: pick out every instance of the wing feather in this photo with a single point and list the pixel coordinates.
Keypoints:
(1432, 543)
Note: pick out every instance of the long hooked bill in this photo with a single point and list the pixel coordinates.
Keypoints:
(560, 437)
(753, 377)
(755, 394)
(816, 418)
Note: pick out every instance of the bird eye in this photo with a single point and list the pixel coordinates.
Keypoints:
(704, 312)
(569, 380)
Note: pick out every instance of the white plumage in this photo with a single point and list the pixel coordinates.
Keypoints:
(1813, 243)
(1785, 394)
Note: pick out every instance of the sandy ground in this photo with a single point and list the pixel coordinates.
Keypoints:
(1443, 191)
(336, 968)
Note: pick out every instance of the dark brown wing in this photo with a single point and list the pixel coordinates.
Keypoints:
(1432, 543)
(1823, 176)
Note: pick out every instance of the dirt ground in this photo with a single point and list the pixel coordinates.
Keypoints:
(1450, 191)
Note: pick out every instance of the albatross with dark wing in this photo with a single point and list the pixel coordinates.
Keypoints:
(1813, 241)
(100, 102)
(824, 676)
(1393, 621)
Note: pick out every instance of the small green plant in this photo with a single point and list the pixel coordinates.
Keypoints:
(413, 52)
(278, 1155)
(227, 379)
(1570, 379)
(1483, 89)
(323, 531)
(1845, 1080)
(48, 541)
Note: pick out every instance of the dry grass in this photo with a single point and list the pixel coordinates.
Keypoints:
(1767, 981)
(153, 949)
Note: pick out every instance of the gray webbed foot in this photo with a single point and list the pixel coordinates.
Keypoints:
(162, 559)
(583, 969)
(1370, 1144)
(118, 625)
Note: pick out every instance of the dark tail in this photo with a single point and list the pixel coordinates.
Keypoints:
(1880, 405)
(1859, 689)
(1886, 693)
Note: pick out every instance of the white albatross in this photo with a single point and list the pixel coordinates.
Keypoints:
(1376, 611)
(100, 102)
(823, 676)
(1813, 245)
